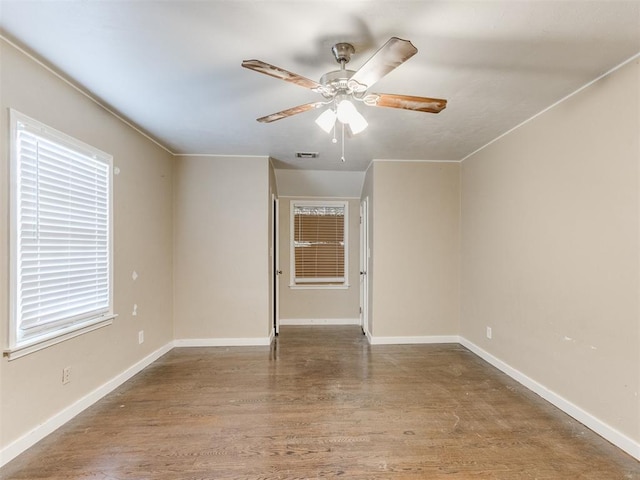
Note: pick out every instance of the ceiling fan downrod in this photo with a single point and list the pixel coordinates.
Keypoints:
(336, 81)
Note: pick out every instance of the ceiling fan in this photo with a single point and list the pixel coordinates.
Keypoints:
(340, 88)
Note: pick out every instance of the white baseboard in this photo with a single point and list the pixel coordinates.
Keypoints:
(222, 342)
(368, 335)
(606, 431)
(319, 321)
(29, 439)
(413, 340)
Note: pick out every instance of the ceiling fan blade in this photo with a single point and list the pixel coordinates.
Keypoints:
(390, 56)
(277, 72)
(290, 111)
(407, 102)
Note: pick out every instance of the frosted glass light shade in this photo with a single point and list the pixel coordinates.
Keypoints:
(346, 111)
(357, 123)
(326, 120)
(348, 114)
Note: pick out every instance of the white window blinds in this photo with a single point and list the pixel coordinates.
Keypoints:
(62, 233)
(319, 243)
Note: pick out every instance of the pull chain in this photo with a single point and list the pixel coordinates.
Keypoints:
(342, 158)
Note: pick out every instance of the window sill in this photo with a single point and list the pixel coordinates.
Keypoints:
(294, 286)
(44, 342)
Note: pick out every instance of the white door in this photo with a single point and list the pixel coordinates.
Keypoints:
(277, 273)
(364, 267)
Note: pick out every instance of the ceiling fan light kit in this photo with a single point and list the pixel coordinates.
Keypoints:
(342, 88)
(326, 120)
(349, 115)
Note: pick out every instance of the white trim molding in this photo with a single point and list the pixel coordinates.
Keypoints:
(319, 321)
(402, 160)
(575, 92)
(220, 155)
(56, 338)
(319, 198)
(29, 439)
(319, 286)
(598, 426)
(86, 93)
(373, 340)
(222, 342)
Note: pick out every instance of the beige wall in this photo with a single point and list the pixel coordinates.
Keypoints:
(31, 390)
(550, 250)
(314, 304)
(221, 247)
(416, 241)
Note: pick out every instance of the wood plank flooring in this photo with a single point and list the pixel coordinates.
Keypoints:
(322, 403)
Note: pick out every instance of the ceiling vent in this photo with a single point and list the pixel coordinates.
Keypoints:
(306, 154)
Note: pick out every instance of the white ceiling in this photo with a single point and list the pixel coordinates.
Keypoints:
(173, 67)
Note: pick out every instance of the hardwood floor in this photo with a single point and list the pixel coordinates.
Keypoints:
(322, 403)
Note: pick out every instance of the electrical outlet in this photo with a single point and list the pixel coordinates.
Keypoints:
(141, 336)
(489, 333)
(66, 375)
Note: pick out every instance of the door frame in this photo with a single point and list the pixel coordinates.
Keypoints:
(277, 273)
(364, 266)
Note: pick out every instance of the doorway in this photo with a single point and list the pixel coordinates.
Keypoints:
(277, 272)
(364, 266)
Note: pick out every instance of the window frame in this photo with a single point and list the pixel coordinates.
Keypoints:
(292, 262)
(19, 345)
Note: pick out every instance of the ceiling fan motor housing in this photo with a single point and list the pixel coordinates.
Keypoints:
(336, 81)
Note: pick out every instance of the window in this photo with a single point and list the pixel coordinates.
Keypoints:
(60, 237)
(319, 244)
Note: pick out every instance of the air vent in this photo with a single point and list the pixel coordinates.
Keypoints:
(306, 154)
